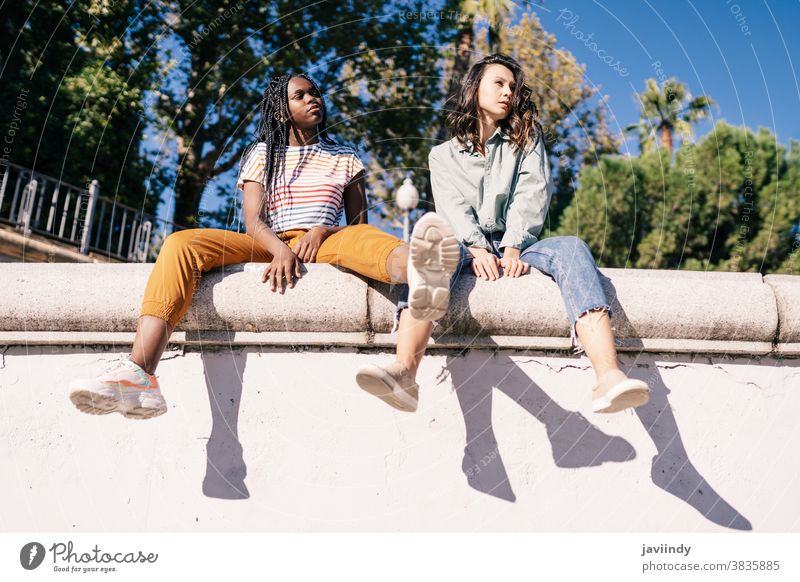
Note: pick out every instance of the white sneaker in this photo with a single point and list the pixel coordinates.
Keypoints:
(433, 257)
(123, 387)
(392, 384)
(617, 392)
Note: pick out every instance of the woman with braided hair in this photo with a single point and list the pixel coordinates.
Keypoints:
(296, 182)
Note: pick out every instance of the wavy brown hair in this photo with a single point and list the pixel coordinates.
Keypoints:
(522, 122)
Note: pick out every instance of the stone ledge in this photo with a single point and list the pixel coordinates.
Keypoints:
(381, 341)
(787, 295)
(654, 310)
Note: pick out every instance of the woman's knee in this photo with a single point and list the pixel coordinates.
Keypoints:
(396, 264)
(400, 253)
(575, 243)
(192, 241)
(178, 240)
(572, 252)
(572, 247)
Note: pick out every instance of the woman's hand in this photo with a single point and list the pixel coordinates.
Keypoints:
(484, 264)
(306, 249)
(512, 265)
(285, 267)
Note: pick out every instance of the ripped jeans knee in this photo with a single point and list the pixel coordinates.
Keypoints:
(577, 346)
(401, 305)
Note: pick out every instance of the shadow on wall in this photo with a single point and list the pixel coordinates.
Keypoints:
(575, 441)
(225, 467)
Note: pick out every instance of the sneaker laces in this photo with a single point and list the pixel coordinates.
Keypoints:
(116, 362)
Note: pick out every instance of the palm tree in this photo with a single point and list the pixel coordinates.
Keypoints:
(495, 12)
(667, 110)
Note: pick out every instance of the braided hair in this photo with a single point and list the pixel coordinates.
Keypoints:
(273, 130)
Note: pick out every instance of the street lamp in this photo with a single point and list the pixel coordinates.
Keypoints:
(407, 198)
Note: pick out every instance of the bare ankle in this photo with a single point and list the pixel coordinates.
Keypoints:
(411, 367)
(601, 374)
(142, 365)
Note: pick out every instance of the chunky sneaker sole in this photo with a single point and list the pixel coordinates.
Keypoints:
(148, 404)
(380, 383)
(123, 387)
(626, 394)
(434, 255)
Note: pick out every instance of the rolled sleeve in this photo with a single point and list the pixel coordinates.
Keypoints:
(530, 200)
(452, 205)
(354, 166)
(253, 166)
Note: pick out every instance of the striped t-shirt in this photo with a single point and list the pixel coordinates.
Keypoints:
(311, 190)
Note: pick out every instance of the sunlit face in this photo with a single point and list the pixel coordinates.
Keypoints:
(305, 103)
(495, 91)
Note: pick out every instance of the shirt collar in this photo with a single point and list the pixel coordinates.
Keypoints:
(498, 135)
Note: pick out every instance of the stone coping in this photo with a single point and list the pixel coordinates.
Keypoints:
(653, 310)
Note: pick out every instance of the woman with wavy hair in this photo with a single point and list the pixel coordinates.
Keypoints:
(491, 183)
(296, 183)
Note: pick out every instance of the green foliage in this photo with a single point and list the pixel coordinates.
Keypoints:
(573, 114)
(84, 69)
(495, 13)
(94, 74)
(728, 203)
(385, 100)
(376, 68)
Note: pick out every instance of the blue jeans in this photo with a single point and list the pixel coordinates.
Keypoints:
(565, 259)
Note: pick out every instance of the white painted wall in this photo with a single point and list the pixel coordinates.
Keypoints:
(315, 453)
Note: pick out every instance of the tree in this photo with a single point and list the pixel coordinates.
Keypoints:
(495, 13)
(572, 113)
(386, 107)
(728, 203)
(613, 207)
(84, 70)
(768, 207)
(225, 50)
(667, 110)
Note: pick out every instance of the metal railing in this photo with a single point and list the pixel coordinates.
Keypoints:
(78, 216)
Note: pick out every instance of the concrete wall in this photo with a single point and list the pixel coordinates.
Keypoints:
(267, 430)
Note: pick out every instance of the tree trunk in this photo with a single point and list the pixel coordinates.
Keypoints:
(666, 138)
(188, 193)
(190, 183)
(494, 38)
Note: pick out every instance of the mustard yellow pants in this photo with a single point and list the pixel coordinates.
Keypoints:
(186, 254)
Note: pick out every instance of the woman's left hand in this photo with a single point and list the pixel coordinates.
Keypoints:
(306, 249)
(511, 263)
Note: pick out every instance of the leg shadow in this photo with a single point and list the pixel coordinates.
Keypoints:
(575, 441)
(671, 468)
(225, 467)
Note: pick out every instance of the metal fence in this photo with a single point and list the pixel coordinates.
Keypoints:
(78, 216)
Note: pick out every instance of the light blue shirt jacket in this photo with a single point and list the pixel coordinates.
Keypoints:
(507, 191)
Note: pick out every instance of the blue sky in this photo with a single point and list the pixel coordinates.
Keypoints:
(744, 54)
